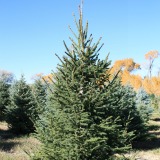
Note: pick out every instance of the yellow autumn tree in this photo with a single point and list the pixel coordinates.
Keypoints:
(152, 86)
(151, 56)
(134, 80)
(127, 66)
(37, 76)
(45, 78)
(48, 78)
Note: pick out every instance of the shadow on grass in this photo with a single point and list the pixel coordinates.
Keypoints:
(156, 119)
(7, 146)
(7, 134)
(147, 145)
(151, 142)
(153, 128)
(7, 140)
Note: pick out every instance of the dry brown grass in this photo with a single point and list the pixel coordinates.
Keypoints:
(148, 149)
(19, 148)
(13, 147)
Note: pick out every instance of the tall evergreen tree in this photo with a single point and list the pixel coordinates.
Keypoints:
(19, 111)
(79, 122)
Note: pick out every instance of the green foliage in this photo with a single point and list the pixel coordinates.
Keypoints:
(18, 113)
(4, 98)
(82, 118)
(155, 102)
(137, 122)
(121, 102)
(40, 94)
(143, 102)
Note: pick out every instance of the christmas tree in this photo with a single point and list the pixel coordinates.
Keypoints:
(18, 113)
(143, 102)
(4, 98)
(79, 122)
(39, 91)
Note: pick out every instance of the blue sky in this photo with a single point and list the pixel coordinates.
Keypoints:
(32, 31)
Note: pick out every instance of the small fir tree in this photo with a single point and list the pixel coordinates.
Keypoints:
(121, 102)
(40, 95)
(4, 98)
(137, 125)
(143, 102)
(18, 114)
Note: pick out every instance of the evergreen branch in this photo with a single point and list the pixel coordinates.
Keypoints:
(113, 80)
(105, 61)
(62, 72)
(95, 45)
(66, 46)
(47, 85)
(69, 55)
(59, 65)
(74, 43)
(73, 32)
(75, 50)
(67, 61)
(91, 39)
(99, 48)
(59, 58)
(86, 31)
(75, 20)
(107, 56)
(85, 44)
(51, 79)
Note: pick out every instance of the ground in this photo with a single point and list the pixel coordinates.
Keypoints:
(150, 148)
(14, 147)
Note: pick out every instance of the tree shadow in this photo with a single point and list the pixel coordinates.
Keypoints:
(156, 133)
(152, 141)
(7, 146)
(7, 140)
(156, 119)
(147, 145)
(8, 134)
(153, 128)
(5, 134)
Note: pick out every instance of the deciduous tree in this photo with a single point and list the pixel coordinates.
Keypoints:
(151, 56)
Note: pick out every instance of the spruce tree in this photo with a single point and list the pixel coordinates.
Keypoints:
(18, 114)
(136, 124)
(78, 123)
(143, 102)
(4, 98)
(40, 96)
(121, 102)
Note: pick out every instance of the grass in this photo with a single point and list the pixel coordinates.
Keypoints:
(14, 147)
(150, 148)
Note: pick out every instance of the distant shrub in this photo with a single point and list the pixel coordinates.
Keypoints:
(143, 103)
